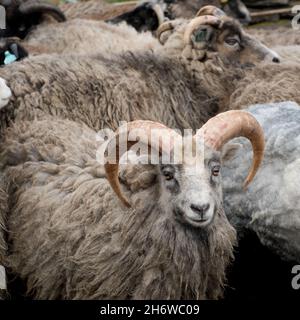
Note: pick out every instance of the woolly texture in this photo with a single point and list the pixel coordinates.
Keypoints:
(101, 92)
(70, 238)
(270, 206)
(268, 83)
(87, 37)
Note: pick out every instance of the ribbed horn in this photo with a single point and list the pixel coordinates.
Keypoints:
(198, 21)
(231, 124)
(166, 26)
(145, 131)
(211, 11)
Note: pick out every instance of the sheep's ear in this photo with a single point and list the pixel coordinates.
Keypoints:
(136, 177)
(203, 36)
(230, 150)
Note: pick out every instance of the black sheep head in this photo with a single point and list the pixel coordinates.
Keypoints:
(22, 16)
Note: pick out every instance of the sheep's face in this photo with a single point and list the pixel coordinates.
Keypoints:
(227, 40)
(192, 192)
(236, 46)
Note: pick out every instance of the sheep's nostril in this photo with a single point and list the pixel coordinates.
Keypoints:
(200, 209)
(276, 60)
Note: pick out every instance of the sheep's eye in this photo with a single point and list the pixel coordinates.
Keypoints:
(232, 41)
(215, 170)
(168, 175)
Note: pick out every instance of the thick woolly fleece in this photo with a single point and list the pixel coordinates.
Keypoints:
(267, 83)
(100, 91)
(270, 206)
(87, 37)
(269, 35)
(95, 9)
(69, 237)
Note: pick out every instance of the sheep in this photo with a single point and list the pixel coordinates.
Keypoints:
(85, 37)
(271, 209)
(192, 77)
(21, 16)
(144, 16)
(98, 36)
(72, 237)
(95, 9)
(266, 84)
(98, 10)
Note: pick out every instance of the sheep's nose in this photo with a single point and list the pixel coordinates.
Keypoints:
(272, 56)
(200, 209)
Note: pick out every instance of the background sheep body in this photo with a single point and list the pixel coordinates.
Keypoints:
(266, 84)
(101, 92)
(270, 206)
(191, 82)
(87, 37)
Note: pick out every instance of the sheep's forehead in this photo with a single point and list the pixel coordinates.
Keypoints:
(198, 166)
(231, 27)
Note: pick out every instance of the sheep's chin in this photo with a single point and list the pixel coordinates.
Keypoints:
(183, 218)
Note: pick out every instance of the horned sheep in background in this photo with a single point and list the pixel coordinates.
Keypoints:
(192, 75)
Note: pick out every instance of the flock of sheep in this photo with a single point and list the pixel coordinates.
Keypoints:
(73, 228)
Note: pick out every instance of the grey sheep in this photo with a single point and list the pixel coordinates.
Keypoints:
(86, 37)
(70, 237)
(270, 206)
(192, 77)
(99, 10)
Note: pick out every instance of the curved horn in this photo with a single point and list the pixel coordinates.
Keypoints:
(211, 11)
(231, 124)
(196, 22)
(145, 134)
(159, 13)
(47, 8)
(166, 26)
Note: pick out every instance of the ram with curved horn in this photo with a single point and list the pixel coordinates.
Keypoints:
(173, 242)
(215, 133)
